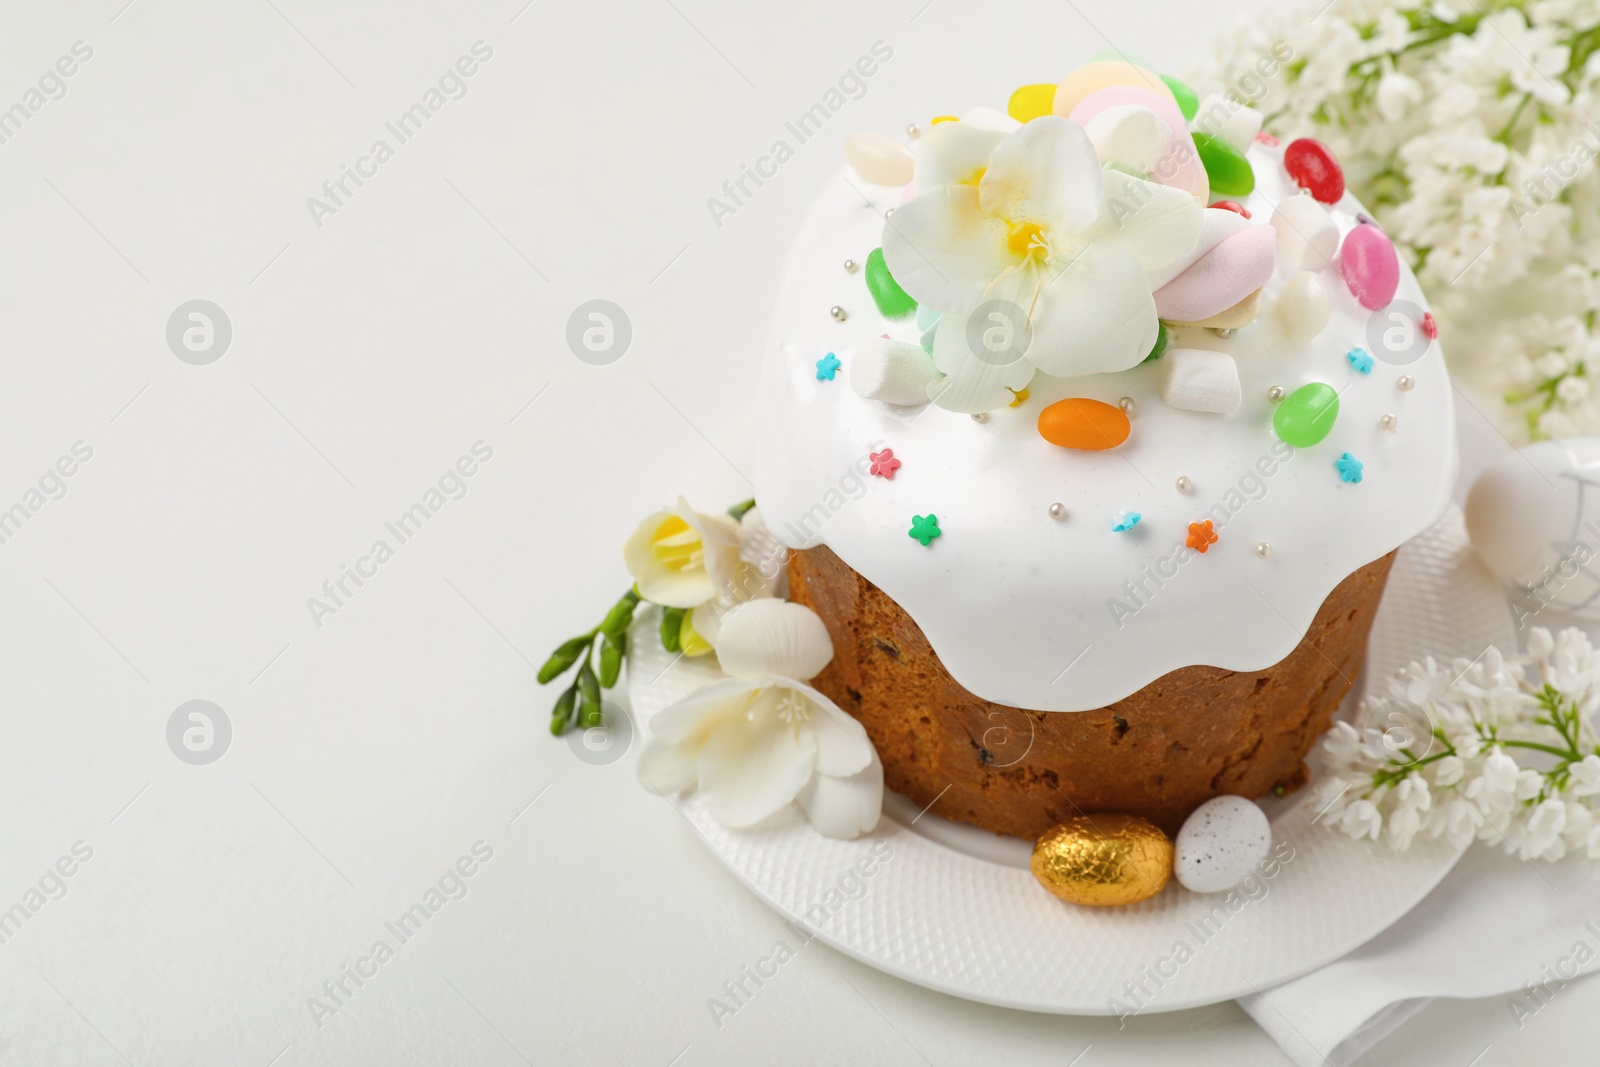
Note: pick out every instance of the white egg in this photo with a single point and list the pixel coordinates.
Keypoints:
(1534, 518)
(1220, 843)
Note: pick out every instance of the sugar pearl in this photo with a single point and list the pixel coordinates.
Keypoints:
(1387, 422)
(1263, 549)
(913, 131)
(1058, 510)
(850, 266)
(1406, 383)
(1275, 394)
(887, 213)
(1183, 484)
(838, 313)
(1126, 404)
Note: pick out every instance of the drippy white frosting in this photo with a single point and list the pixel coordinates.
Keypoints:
(1015, 602)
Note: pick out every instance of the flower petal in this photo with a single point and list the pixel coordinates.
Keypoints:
(843, 747)
(1156, 223)
(973, 383)
(1046, 172)
(943, 250)
(667, 769)
(719, 536)
(1095, 315)
(696, 715)
(954, 153)
(765, 638)
(844, 808)
(681, 584)
(751, 768)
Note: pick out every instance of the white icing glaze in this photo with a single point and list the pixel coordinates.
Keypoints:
(1017, 603)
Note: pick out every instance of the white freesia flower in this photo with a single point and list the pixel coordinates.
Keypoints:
(709, 564)
(763, 739)
(1032, 219)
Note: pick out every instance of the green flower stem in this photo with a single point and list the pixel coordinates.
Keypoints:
(580, 702)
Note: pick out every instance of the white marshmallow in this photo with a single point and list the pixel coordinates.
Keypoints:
(1129, 136)
(1235, 123)
(891, 371)
(1197, 380)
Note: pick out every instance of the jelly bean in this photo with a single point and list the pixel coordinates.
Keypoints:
(1082, 423)
(1313, 167)
(1306, 415)
(1031, 101)
(1163, 339)
(1370, 266)
(893, 302)
(1230, 205)
(1188, 102)
(1305, 306)
(1227, 169)
(878, 159)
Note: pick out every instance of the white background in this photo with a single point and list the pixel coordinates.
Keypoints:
(371, 752)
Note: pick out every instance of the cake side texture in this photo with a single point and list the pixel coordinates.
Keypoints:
(1192, 734)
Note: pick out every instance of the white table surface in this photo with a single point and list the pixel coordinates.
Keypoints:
(368, 353)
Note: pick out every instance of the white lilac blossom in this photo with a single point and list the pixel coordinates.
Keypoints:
(1471, 132)
(1497, 749)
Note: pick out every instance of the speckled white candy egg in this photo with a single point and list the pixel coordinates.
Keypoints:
(1534, 518)
(1220, 843)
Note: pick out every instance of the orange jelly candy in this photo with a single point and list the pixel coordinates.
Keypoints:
(1079, 422)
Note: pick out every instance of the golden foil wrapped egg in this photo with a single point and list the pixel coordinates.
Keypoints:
(1103, 860)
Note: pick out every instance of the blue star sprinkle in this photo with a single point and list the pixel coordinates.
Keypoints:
(1360, 360)
(827, 367)
(1125, 521)
(1349, 468)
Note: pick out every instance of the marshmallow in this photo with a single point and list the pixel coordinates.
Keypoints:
(1197, 380)
(891, 371)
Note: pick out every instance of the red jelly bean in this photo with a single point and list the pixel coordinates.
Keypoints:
(1230, 205)
(1313, 167)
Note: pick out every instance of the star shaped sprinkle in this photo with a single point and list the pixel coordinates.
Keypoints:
(827, 367)
(1126, 520)
(925, 528)
(884, 464)
(1360, 360)
(1201, 536)
(1349, 468)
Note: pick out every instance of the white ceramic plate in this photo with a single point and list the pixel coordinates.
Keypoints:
(955, 909)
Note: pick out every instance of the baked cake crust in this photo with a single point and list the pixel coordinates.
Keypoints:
(1193, 734)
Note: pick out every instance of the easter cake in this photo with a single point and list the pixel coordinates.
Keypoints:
(1094, 426)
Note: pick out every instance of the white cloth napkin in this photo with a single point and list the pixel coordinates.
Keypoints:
(1493, 928)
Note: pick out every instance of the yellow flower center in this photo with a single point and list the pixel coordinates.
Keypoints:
(1027, 240)
(677, 546)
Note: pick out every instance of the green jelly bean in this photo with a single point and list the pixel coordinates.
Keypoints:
(1229, 171)
(893, 302)
(1307, 415)
(1188, 102)
(1163, 339)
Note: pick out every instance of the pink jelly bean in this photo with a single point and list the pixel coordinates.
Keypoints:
(1370, 266)
(1180, 165)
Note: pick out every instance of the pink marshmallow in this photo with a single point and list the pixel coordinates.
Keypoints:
(1221, 278)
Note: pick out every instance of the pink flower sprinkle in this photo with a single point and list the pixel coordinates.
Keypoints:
(884, 464)
(1430, 328)
(1267, 139)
